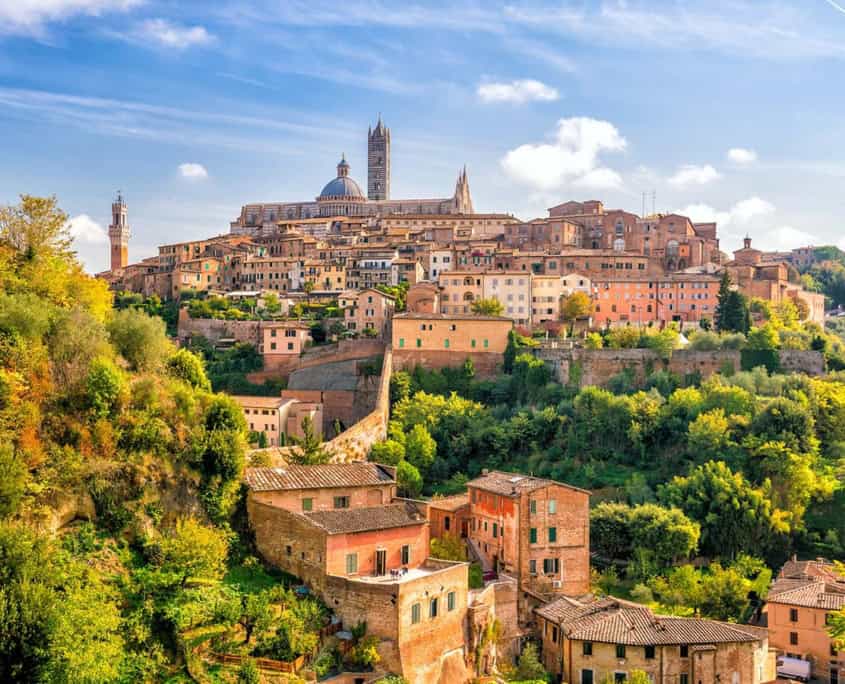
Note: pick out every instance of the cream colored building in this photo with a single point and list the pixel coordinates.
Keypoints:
(278, 418)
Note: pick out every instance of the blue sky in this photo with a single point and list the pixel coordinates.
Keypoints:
(727, 109)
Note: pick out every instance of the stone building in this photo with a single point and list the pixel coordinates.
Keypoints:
(279, 418)
(342, 196)
(339, 529)
(586, 641)
(533, 529)
(119, 234)
(797, 608)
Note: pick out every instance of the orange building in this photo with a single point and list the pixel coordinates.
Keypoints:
(449, 515)
(533, 529)
(799, 602)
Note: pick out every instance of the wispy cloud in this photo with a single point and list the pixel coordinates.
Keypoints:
(85, 229)
(572, 159)
(166, 34)
(741, 155)
(690, 174)
(739, 215)
(193, 171)
(836, 6)
(517, 92)
(31, 17)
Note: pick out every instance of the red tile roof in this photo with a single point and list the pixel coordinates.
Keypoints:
(514, 484)
(352, 520)
(808, 593)
(614, 621)
(319, 476)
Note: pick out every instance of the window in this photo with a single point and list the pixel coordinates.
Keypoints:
(532, 507)
(406, 554)
(684, 651)
(649, 652)
(415, 613)
(447, 523)
(288, 550)
(419, 342)
(532, 567)
(552, 535)
(793, 615)
(620, 650)
(446, 343)
(532, 535)
(793, 638)
(552, 506)
(554, 635)
(495, 530)
(341, 502)
(432, 608)
(684, 679)
(472, 343)
(401, 342)
(307, 504)
(450, 601)
(587, 648)
(351, 563)
(620, 677)
(486, 344)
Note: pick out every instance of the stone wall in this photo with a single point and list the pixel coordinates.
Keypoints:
(214, 329)
(486, 363)
(583, 367)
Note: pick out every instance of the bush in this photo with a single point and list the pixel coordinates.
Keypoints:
(190, 368)
(104, 387)
(139, 338)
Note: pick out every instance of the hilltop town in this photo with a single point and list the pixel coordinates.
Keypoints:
(360, 439)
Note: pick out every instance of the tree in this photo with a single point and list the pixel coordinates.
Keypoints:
(487, 307)
(13, 477)
(448, 547)
(708, 436)
(189, 367)
(594, 341)
(400, 386)
(409, 479)
(575, 306)
(248, 672)
(420, 448)
(388, 452)
(104, 387)
(734, 516)
(190, 549)
(764, 337)
(309, 449)
(722, 301)
(36, 228)
(272, 305)
(256, 615)
(724, 593)
(529, 667)
(139, 338)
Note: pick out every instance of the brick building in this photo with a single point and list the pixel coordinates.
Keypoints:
(533, 529)
(798, 604)
(584, 642)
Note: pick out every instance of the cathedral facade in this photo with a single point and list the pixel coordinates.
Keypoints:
(342, 196)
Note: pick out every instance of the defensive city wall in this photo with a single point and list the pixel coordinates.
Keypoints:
(583, 367)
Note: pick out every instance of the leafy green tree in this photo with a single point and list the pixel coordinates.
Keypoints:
(764, 337)
(400, 386)
(309, 449)
(708, 436)
(409, 480)
(420, 448)
(724, 593)
(104, 387)
(389, 452)
(191, 549)
(187, 366)
(37, 228)
(487, 307)
(528, 666)
(248, 672)
(257, 615)
(593, 341)
(448, 547)
(625, 337)
(139, 338)
(722, 299)
(735, 517)
(75, 339)
(13, 478)
(575, 306)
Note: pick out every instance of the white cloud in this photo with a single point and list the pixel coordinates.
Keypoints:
(193, 171)
(785, 237)
(690, 174)
(85, 229)
(517, 92)
(169, 35)
(741, 155)
(30, 17)
(573, 157)
(740, 214)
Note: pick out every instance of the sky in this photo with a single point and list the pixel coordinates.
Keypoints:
(726, 110)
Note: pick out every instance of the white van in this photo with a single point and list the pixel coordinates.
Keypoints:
(794, 668)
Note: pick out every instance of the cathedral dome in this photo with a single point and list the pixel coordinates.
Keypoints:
(343, 186)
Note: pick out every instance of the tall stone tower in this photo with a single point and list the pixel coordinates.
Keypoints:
(119, 234)
(378, 162)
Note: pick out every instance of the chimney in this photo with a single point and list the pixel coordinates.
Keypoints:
(485, 471)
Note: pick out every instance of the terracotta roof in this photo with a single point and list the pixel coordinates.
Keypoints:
(798, 569)
(450, 317)
(614, 621)
(261, 402)
(808, 593)
(514, 484)
(318, 476)
(351, 520)
(450, 503)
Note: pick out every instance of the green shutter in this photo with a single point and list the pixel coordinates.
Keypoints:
(532, 535)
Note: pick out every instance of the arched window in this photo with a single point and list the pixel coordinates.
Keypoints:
(619, 245)
(620, 229)
(672, 248)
